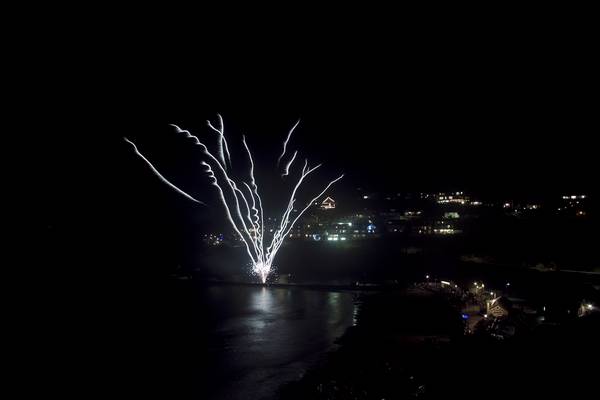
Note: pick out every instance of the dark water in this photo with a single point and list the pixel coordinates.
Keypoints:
(257, 338)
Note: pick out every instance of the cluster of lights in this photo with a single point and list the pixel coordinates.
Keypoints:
(451, 215)
(451, 200)
(349, 230)
(441, 194)
(412, 213)
(573, 201)
(444, 231)
(335, 238)
(213, 240)
(370, 228)
(456, 198)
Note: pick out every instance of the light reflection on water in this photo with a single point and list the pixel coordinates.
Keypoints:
(268, 336)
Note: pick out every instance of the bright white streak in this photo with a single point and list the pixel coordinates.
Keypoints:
(228, 212)
(285, 217)
(286, 172)
(222, 140)
(162, 178)
(286, 142)
(255, 186)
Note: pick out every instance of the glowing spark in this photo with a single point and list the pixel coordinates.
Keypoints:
(243, 207)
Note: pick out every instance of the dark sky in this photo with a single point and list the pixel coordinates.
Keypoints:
(487, 119)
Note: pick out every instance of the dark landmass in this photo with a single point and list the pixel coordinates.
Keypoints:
(407, 346)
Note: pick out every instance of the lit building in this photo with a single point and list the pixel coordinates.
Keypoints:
(327, 204)
(453, 198)
(441, 227)
(585, 308)
(351, 228)
(499, 307)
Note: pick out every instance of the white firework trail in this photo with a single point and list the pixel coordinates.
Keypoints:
(285, 142)
(162, 178)
(286, 171)
(243, 207)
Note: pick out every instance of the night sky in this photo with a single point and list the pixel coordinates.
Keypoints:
(494, 128)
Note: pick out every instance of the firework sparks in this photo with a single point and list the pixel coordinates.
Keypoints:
(241, 199)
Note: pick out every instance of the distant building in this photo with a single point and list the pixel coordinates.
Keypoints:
(499, 307)
(451, 215)
(585, 308)
(440, 227)
(327, 204)
(453, 198)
